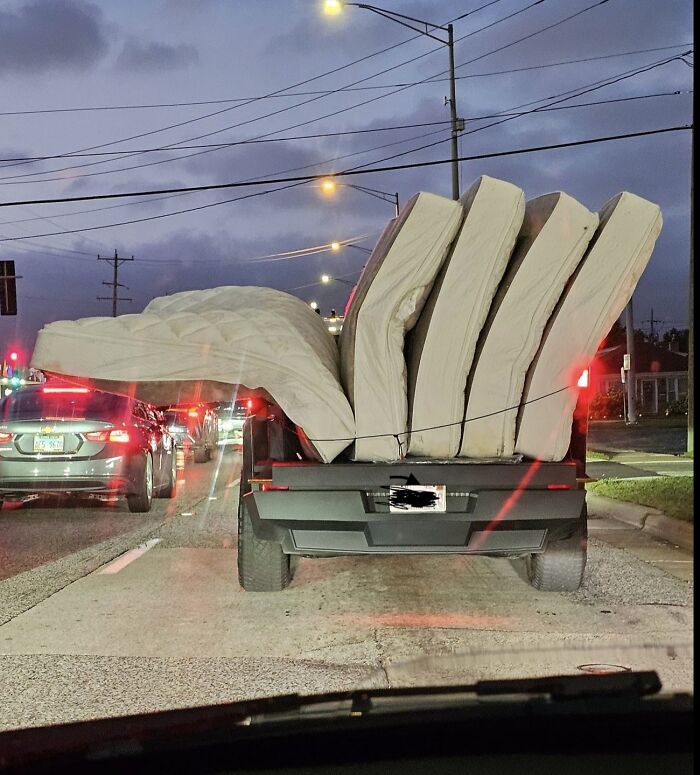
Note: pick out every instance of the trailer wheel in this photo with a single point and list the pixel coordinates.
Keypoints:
(262, 565)
(560, 567)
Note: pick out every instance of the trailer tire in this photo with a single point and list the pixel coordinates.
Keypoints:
(560, 567)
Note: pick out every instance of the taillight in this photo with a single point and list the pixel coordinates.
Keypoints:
(269, 487)
(5, 437)
(583, 379)
(65, 390)
(113, 434)
(558, 486)
(193, 413)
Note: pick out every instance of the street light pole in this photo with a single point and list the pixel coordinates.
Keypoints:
(453, 114)
(334, 7)
(631, 375)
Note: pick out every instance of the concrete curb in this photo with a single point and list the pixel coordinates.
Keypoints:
(650, 520)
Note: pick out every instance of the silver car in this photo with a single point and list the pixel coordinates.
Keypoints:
(64, 439)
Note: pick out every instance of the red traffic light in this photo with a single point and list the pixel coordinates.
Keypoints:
(13, 356)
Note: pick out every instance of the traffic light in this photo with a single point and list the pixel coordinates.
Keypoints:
(14, 355)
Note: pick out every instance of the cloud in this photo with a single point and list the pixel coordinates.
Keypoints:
(143, 56)
(48, 35)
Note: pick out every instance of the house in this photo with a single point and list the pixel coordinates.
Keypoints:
(661, 375)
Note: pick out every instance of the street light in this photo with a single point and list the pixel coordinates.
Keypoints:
(335, 246)
(334, 8)
(313, 305)
(328, 186)
(325, 279)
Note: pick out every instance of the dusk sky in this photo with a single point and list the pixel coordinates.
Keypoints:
(61, 60)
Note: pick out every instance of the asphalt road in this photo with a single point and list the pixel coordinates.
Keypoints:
(647, 436)
(103, 613)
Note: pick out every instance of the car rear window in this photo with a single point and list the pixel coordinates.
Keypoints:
(37, 404)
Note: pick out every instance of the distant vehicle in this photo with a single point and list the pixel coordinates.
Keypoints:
(232, 417)
(57, 438)
(195, 428)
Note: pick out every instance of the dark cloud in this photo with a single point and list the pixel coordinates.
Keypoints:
(143, 56)
(51, 34)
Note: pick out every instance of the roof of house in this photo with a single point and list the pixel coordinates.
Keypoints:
(649, 358)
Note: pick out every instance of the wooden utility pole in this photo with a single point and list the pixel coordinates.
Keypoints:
(116, 262)
(691, 357)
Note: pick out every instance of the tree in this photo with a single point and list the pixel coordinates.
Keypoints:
(679, 335)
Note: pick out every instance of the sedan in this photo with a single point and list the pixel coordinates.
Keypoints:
(57, 438)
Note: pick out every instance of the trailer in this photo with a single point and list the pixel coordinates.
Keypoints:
(290, 506)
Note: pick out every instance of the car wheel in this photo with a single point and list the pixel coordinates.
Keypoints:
(560, 567)
(201, 455)
(168, 491)
(142, 500)
(262, 565)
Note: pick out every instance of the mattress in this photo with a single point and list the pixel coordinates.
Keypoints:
(264, 340)
(388, 298)
(441, 347)
(621, 249)
(555, 233)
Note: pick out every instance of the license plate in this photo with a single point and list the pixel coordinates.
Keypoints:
(48, 443)
(411, 498)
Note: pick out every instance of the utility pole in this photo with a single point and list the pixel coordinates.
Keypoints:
(453, 115)
(116, 262)
(631, 376)
(651, 321)
(691, 358)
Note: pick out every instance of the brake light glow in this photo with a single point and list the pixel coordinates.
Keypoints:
(558, 487)
(5, 437)
(110, 434)
(193, 413)
(249, 403)
(268, 487)
(65, 390)
(583, 379)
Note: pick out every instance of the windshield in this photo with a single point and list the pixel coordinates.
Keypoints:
(410, 284)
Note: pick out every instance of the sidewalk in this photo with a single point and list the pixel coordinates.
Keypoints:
(644, 518)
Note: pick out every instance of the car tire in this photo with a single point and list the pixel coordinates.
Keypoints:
(168, 491)
(560, 567)
(201, 454)
(262, 565)
(142, 500)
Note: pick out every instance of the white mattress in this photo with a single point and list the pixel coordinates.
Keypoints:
(441, 346)
(553, 238)
(264, 339)
(619, 253)
(387, 301)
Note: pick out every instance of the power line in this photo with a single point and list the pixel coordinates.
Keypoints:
(336, 134)
(293, 182)
(284, 89)
(299, 104)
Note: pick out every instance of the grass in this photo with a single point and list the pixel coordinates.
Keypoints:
(671, 494)
(592, 455)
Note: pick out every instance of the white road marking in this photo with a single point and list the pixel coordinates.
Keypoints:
(187, 513)
(234, 484)
(128, 557)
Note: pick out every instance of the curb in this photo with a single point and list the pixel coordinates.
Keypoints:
(644, 518)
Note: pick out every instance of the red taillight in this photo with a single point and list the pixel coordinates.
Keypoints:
(113, 434)
(558, 486)
(268, 487)
(65, 390)
(5, 437)
(193, 413)
(583, 379)
(249, 403)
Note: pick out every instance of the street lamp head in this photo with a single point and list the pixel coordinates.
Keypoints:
(325, 279)
(328, 186)
(335, 245)
(332, 7)
(313, 305)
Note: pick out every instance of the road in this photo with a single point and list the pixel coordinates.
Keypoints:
(664, 437)
(107, 613)
(632, 465)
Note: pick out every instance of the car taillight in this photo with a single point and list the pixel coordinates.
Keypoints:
(558, 486)
(5, 437)
(583, 379)
(193, 413)
(113, 434)
(65, 390)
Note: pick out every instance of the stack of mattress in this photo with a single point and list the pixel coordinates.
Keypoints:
(464, 337)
